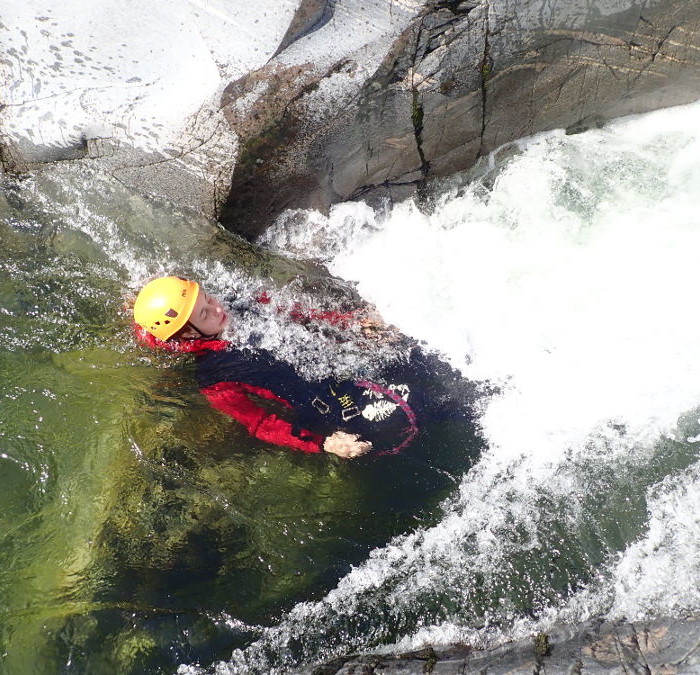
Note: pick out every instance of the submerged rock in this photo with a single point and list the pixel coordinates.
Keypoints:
(664, 646)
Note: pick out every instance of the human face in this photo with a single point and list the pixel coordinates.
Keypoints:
(208, 317)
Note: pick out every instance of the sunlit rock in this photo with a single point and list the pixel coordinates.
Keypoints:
(243, 109)
(135, 88)
(463, 79)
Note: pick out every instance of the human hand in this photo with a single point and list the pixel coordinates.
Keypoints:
(375, 329)
(347, 446)
(372, 324)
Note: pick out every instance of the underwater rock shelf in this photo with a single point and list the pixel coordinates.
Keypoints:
(596, 648)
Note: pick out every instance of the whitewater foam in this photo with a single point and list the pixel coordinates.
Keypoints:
(567, 277)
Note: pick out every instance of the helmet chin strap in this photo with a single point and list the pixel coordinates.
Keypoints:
(202, 336)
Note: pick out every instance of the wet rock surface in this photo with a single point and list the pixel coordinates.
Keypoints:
(145, 108)
(324, 101)
(660, 647)
(461, 80)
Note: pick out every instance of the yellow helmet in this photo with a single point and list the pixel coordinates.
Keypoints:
(164, 305)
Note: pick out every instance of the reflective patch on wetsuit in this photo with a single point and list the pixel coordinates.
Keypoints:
(346, 401)
(321, 406)
(348, 409)
(401, 389)
(379, 411)
(349, 413)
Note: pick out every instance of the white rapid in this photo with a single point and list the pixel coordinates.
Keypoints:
(572, 282)
(567, 276)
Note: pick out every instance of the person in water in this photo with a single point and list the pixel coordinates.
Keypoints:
(267, 396)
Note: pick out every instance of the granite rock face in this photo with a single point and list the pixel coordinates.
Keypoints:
(461, 80)
(136, 92)
(241, 112)
(596, 648)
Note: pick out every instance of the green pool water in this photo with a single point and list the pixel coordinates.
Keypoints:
(140, 528)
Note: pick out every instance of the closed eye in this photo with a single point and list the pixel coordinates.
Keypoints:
(205, 312)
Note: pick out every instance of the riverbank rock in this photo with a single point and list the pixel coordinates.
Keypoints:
(136, 92)
(663, 647)
(241, 112)
(463, 79)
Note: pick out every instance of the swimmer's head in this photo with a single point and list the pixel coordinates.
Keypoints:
(175, 308)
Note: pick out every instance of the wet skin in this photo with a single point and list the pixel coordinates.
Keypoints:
(208, 317)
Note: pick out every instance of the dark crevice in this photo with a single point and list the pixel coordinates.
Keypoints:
(442, 17)
(369, 189)
(457, 7)
(417, 113)
(417, 119)
(486, 71)
(655, 51)
(639, 652)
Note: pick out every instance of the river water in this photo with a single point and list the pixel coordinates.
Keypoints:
(142, 532)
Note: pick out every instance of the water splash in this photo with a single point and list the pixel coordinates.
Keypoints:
(566, 275)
